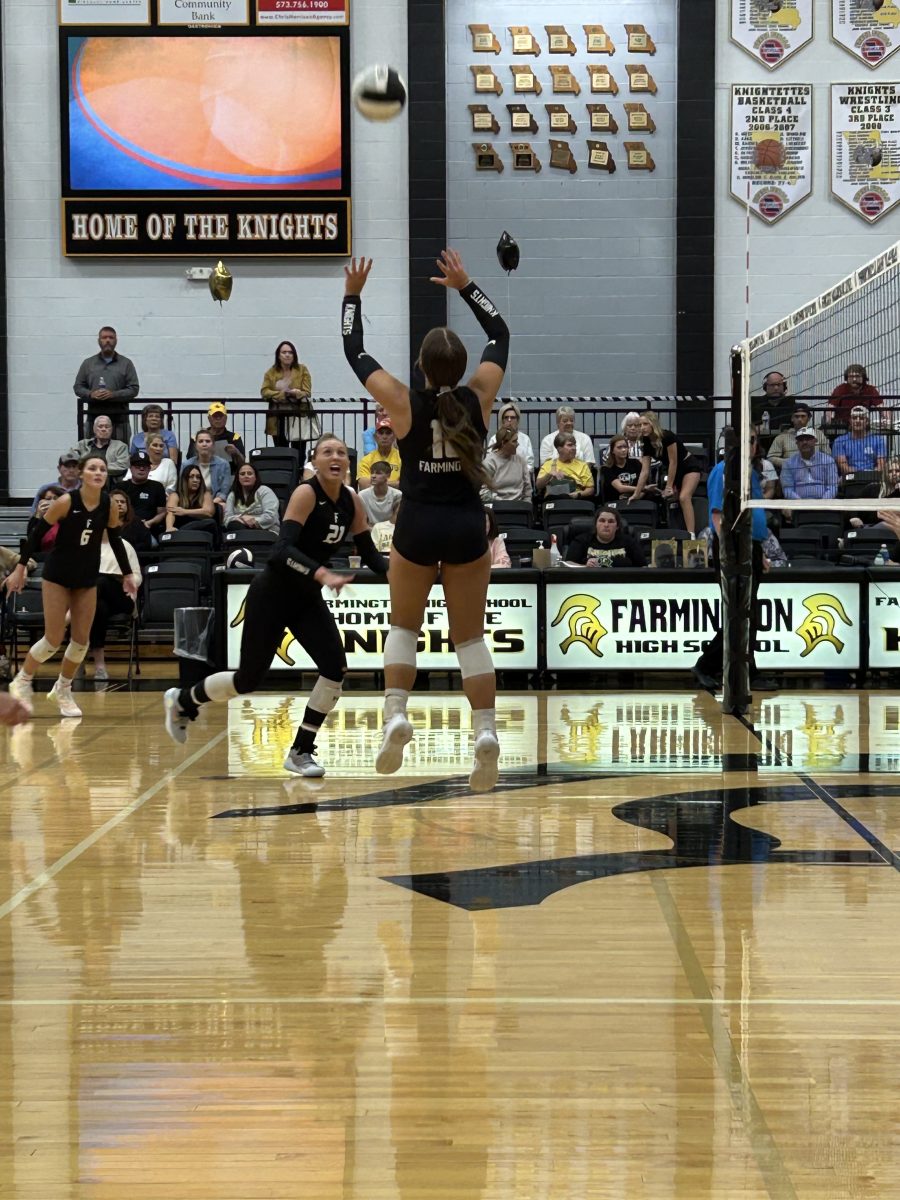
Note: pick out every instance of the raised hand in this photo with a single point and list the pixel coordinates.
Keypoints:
(355, 275)
(453, 273)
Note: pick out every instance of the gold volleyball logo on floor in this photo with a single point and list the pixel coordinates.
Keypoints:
(584, 624)
(818, 626)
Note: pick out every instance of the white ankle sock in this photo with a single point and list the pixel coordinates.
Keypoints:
(395, 701)
(484, 720)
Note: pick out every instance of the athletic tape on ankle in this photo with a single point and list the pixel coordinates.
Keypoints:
(324, 695)
(474, 659)
(76, 652)
(42, 650)
(400, 647)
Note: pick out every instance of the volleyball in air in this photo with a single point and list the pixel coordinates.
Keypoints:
(379, 93)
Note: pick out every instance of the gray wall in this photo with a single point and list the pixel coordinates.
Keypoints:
(592, 307)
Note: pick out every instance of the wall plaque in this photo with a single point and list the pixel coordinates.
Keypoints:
(865, 147)
(524, 158)
(600, 158)
(487, 158)
(771, 147)
(602, 80)
(483, 120)
(867, 29)
(521, 119)
(524, 41)
(598, 40)
(561, 119)
(640, 79)
(564, 81)
(602, 118)
(486, 80)
(561, 156)
(639, 157)
(484, 39)
(639, 40)
(639, 120)
(525, 80)
(560, 42)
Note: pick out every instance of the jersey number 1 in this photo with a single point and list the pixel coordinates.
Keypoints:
(440, 448)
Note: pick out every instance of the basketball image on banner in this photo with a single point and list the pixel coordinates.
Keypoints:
(771, 137)
(867, 29)
(865, 147)
(771, 31)
(187, 113)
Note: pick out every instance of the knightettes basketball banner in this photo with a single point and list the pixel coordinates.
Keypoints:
(865, 147)
(771, 30)
(771, 147)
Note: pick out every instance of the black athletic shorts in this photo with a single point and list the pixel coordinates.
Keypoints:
(429, 534)
(685, 467)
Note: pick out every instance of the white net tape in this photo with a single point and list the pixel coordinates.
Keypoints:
(855, 463)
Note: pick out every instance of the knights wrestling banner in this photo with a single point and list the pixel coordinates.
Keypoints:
(865, 147)
(771, 31)
(771, 140)
(867, 29)
(647, 626)
(207, 128)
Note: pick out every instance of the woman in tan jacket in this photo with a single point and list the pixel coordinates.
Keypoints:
(287, 387)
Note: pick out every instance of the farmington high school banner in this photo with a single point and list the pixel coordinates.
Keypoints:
(204, 127)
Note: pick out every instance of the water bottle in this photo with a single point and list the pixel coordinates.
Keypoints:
(764, 422)
(554, 552)
(882, 558)
(101, 382)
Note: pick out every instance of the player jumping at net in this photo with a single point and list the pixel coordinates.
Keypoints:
(69, 582)
(287, 593)
(441, 432)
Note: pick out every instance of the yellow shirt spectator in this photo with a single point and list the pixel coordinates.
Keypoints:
(365, 466)
(576, 470)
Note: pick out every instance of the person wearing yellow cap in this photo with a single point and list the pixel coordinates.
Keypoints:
(227, 443)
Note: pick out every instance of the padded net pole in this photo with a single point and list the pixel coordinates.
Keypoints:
(736, 557)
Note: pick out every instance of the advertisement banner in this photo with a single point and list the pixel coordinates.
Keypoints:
(865, 147)
(104, 12)
(204, 13)
(303, 12)
(646, 627)
(771, 30)
(771, 140)
(261, 729)
(362, 614)
(884, 624)
(867, 29)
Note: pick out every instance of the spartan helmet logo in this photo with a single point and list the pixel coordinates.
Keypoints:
(282, 650)
(818, 626)
(584, 624)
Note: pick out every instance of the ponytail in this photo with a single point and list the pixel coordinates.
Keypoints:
(458, 429)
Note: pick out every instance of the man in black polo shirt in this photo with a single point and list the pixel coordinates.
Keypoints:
(148, 496)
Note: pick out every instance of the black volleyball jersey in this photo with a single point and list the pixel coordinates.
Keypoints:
(430, 471)
(75, 556)
(327, 525)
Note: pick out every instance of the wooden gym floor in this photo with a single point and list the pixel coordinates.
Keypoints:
(660, 960)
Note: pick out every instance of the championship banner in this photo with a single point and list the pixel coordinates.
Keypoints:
(647, 627)
(261, 729)
(104, 12)
(771, 30)
(865, 147)
(303, 12)
(362, 613)
(884, 624)
(771, 136)
(867, 29)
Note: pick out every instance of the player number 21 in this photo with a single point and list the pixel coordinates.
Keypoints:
(440, 448)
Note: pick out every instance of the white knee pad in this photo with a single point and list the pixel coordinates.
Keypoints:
(325, 695)
(400, 647)
(474, 658)
(43, 650)
(75, 652)
(220, 687)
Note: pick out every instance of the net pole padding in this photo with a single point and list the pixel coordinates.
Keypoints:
(736, 557)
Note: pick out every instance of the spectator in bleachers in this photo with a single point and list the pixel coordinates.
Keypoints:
(890, 518)
(809, 474)
(619, 473)
(369, 443)
(111, 597)
(892, 493)
(215, 472)
(681, 469)
(378, 500)
(631, 431)
(162, 469)
(287, 387)
(767, 474)
(565, 423)
(67, 479)
(784, 444)
(105, 446)
(508, 475)
(608, 545)
(855, 390)
(191, 506)
(565, 473)
(132, 528)
(385, 451)
(250, 503)
(227, 445)
(109, 383)
(860, 450)
(46, 495)
(774, 402)
(383, 531)
(509, 417)
(152, 417)
(496, 544)
(146, 496)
